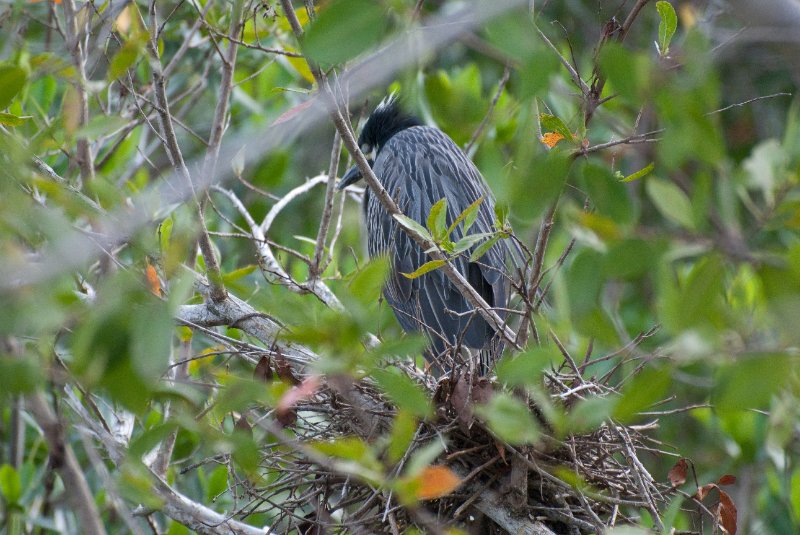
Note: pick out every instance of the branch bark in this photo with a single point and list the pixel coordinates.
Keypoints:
(62, 457)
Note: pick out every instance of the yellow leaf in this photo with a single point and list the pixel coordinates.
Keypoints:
(300, 65)
(551, 138)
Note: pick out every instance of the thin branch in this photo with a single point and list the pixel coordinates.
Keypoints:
(330, 190)
(75, 45)
(478, 131)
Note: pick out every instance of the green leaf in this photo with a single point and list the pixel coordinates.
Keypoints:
(468, 216)
(671, 202)
(12, 80)
(367, 284)
(403, 391)
(509, 419)
(425, 268)
(468, 241)
(344, 29)
(483, 248)
(349, 448)
(165, 233)
(10, 484)
(437, 219)
(124, 59)
(237, 274)
(525, 369)
(667, 26)
(551, 123)
(412, 225)
(587, 415)
(403, 431)
(102, 125)
(752, 381)
(642, 392)
(13, 120)
(639, 174)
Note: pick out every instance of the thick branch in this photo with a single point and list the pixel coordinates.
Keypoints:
(64, 461)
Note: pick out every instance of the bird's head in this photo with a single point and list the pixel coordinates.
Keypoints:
(386, 120)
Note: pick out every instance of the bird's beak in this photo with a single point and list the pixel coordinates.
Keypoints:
(352, 176)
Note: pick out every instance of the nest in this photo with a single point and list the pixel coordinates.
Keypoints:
(578, 485)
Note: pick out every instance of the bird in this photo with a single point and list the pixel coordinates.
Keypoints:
(418, 165)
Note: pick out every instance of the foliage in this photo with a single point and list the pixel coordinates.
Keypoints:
(654, 195)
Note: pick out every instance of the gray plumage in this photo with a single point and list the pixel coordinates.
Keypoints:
(419, 165)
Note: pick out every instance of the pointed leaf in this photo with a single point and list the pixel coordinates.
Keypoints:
(468, 241)
(437, 219)
(8, 119)
(639, 174)
(667, 26)
(425, 268)
(468, 216)
(483, 248)
(554, 124)
(412, 225)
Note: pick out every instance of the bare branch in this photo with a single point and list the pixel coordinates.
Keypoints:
(64, 461)
(330, 190)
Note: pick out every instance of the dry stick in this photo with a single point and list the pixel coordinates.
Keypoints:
(85, 160)
(226, 85)
(324, 224)
(349, 139)
(64, 461)
(533, 282)
(218, 292)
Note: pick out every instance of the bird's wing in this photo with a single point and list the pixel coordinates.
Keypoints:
(418, 167)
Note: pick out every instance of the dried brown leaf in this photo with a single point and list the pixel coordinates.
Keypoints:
(263, 371)
(677, 474)
(726, 513)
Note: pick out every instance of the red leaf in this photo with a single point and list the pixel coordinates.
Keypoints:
(727, 479)
(298, 393)
(677, 474)
(726, 513)
(291, 112)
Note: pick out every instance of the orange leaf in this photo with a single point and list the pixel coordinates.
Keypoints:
(726, 513)
(152, 280)
(551, 138)
(677, 474)
(435, 482)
